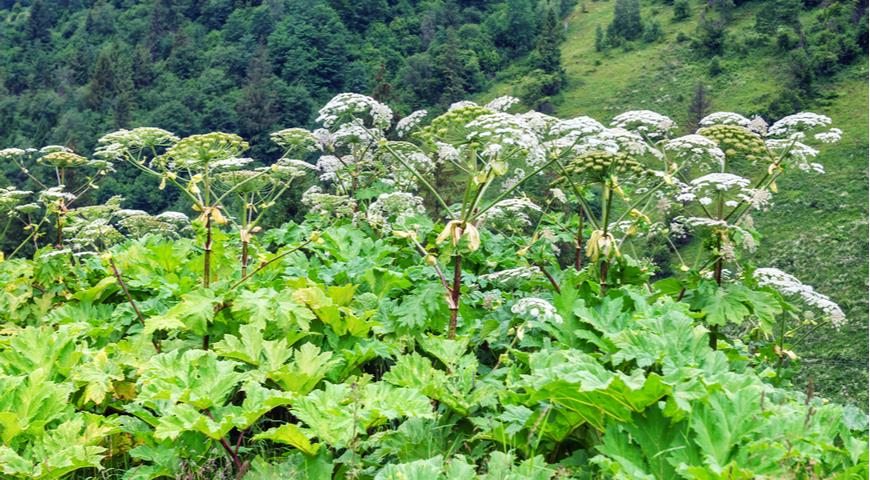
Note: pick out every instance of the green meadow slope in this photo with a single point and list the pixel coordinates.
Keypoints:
(818, 229)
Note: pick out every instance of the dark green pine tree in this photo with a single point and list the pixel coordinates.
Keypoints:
(600, 44)
(101, 86)
(450, 69)
(699, 107)
(548, 52)
(39, 22)
(626, 22)
(258, 106)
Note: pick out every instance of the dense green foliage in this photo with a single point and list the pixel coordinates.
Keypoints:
(823, 240)
(71, 70)
(338, 347)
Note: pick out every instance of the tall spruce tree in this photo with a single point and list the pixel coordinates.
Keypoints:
(698, 107)
(548, 54)
(626, 22)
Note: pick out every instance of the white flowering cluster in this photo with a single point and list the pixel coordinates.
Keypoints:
(536, 309)
(178, 219)
(695, 150)
(789, 285)
(54, 195)
(510, 213)
(327, 204)
(461, 104)
(511, 276)
(11, 197)
(229, 164)
(565, 133)
(296, 140)
(354, 105)
(616, 140)
(288, 169)
(503, 103)
(757, 198)
(501, 133)
(390, 210)
(13, 153)
(712, 184)
(800, 124)
(137, 139)
(405, 125)
(141, 224)
(725, 118)
(647, 123)
(334, 169)
(354, 133)
(559, 195)
(797, 151)
(539, 122)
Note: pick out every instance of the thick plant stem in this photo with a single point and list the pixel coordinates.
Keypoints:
(206, 262)
(578, 253)
(717, 275)
(602, 272)
(244, 258)
(206, 266)
(59, 243)
(130, 300)
(455, 292)
(607, 202)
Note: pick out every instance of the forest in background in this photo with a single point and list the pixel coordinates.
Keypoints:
(72, 70)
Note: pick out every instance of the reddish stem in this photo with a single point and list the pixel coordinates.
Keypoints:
(455, 292)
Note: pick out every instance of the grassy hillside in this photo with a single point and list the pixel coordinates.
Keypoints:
(818, 230)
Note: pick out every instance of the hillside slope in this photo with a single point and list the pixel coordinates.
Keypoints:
(818, 228)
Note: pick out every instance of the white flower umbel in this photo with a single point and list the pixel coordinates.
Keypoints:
(799, 125)
(695, 150)
(719, 182)
(176, 218)
(512, 213)
(55, 194)
(729, 186)
(461, 104)
(333, 169)
(327, 204)
(831, 136)
(537, 121)
(296, 140)
(647, 123)
(789, 285)
(354, 105)
(616, 140)
(230, 164)
(11, 197)
(391, 210)
(511, 275)
(536, 309)
(405, 125)
(503, 135)
(565, 133)
(503, 103)
(757, 198)
(725, 118)
(796, 151)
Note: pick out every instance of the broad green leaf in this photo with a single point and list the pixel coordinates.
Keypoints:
(289, 434)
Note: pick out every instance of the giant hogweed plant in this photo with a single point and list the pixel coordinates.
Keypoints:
(342, 355)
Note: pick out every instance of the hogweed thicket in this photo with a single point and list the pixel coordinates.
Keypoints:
(483, 295)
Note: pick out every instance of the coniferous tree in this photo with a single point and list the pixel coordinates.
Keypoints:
(39, 22)
(682, 10)
(599, 39)
(626, 22)
(699, 106)
(548, 54)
